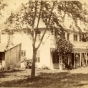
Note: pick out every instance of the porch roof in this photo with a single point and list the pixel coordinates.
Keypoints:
(80, 50)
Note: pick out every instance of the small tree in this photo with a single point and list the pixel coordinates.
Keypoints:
(63, 47)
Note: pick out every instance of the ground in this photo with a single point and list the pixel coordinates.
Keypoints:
(76, 78)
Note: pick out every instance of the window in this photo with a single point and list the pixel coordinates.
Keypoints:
(75, 37)
(80, 37)
(38, 56)
(68, 36)
(23, 53)
(62, 35)
(84, 37)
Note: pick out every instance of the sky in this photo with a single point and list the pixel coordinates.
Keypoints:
(12, 6)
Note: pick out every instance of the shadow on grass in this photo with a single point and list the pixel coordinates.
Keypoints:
(81, 84)
(56, 80)
(3, 73)
(44, 79)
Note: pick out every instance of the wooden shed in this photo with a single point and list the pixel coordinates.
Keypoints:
(10, 57)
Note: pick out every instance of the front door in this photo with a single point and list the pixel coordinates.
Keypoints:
(0, 57)
(55, 59)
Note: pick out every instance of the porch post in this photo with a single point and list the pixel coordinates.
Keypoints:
(80, 59)
(59, 61)
(68, 58)
(51, 59)
(74, 60)
(86, 57)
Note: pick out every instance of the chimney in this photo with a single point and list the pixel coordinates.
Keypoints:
(11, 39)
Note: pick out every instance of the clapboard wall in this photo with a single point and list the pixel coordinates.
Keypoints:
(13, 57)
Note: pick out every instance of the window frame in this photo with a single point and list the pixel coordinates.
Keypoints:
(68, 34)
(23, 52)
(75, 37)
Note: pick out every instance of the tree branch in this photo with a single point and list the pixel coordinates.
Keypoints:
(46, 26)
(37, 23)
(33, 24)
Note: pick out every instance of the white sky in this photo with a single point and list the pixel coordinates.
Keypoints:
(12, 6)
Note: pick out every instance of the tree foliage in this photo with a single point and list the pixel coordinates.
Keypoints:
(75, 10)
(64, 49)
(64, 46)
(25, 18)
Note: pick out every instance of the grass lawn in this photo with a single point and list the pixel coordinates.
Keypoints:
(44, 79)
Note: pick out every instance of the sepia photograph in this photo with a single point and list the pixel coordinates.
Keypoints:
(44, 43)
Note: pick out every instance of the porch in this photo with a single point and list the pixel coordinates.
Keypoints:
(78, 58)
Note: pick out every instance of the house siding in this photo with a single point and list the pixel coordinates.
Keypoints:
(47, 44)
(12, 57)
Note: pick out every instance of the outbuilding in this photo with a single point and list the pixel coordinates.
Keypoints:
(10, 57)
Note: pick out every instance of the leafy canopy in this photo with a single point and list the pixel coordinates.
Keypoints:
(29, 15)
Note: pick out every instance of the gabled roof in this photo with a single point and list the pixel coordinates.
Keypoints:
(3, 47)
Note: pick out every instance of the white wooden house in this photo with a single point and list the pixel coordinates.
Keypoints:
(44, 56)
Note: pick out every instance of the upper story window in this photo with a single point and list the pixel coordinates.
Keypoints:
(75, 37)
(84, 37)
(68, 36)
(62, 35)
(80, 37)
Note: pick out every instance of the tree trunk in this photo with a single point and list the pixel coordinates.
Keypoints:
(33, 64)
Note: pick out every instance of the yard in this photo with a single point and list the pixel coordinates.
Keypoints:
(76, 78)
